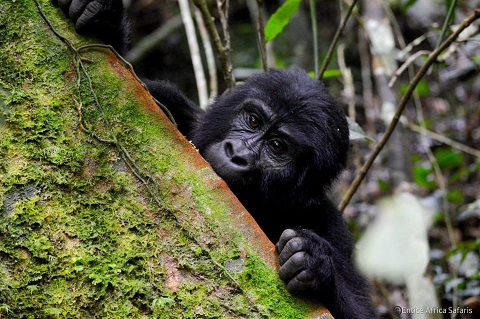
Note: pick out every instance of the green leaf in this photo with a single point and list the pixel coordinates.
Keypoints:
(280, 19)
(424, 177)
(459, 175)
(332, 73)
(423, 88)
(455, 196)
(384, 186)
(438, 218)
(448, 159)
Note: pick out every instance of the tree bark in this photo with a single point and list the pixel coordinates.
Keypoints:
(106, 211)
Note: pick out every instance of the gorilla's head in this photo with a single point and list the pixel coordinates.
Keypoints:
(279, 134)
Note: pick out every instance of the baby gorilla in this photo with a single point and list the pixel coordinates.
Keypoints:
(278, 140)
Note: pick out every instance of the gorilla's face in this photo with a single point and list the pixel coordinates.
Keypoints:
(256, 145)
(278, 133)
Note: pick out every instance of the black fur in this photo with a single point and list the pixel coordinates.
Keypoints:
(278, 140)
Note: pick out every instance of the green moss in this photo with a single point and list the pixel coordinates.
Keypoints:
(80, 235)
(264, 285)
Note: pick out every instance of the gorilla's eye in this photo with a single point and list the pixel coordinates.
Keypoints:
(278, 147)
(253, 121)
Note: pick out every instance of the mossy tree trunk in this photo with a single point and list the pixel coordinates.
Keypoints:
(105, 210)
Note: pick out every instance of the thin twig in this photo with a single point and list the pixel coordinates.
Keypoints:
(405, 65)
(410, 46)
(256, 15)
(443, 139)
(347, 77)
(222, 6)
(194, 52)
(207, 48)
(370, 108)
(446, 23)
(222, 54)
(406, 97)
(333, 45)
(313, 19)
(261, 35)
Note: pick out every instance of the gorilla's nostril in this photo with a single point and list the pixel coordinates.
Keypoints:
(239, 161)
(229, 151)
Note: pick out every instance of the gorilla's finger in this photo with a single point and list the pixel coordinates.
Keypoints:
(76, 8)
(293, 246)
(284, 238)
(301, 282)
(292, 266)
(91, 10)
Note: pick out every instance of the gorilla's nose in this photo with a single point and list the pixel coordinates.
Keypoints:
(239, 155)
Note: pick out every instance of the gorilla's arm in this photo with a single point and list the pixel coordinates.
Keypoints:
(186, 113)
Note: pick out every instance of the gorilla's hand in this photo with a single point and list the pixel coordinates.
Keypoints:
(305, 261)
(90, 14)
